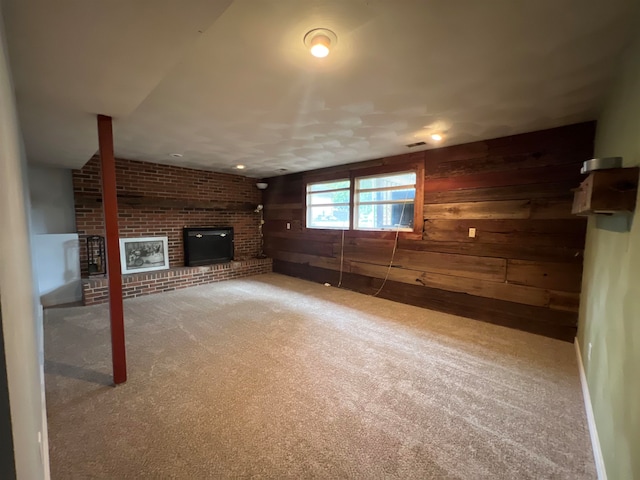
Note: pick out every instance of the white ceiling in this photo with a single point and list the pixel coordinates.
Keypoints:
(233, 85)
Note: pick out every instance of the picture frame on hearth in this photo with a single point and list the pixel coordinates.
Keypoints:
(144, 254)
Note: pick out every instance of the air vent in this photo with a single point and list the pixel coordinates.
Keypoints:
(417, 144)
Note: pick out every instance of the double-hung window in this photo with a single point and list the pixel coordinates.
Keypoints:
(385, 202)
(329, 204)
(367, 200)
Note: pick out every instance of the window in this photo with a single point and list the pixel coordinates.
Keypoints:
(375, 199)
(328, 204)
(385, 202)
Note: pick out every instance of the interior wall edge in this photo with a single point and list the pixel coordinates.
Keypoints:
(591, 419)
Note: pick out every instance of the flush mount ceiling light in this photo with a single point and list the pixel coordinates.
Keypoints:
(240, 167)
(436, 137)
(319, 41)
(175, 155)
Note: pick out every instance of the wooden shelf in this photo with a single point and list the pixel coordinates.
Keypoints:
(607, 192)
(157, 202)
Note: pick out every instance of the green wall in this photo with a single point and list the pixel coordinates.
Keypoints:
(610, 305)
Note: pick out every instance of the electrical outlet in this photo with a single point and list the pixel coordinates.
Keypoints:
(288, 226)
(472, 233)
(589, 352)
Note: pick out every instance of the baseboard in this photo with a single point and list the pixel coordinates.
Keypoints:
(591, 421)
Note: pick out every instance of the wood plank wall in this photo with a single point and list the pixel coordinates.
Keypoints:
(522, 270)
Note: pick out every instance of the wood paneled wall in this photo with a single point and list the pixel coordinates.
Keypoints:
(523, 268)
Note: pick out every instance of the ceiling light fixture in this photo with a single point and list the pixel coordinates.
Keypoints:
(240, 167)
(436, 137)
(175, 155)
(320, 46)
(319, 41)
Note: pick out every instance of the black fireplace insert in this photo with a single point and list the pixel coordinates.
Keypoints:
(207, 245)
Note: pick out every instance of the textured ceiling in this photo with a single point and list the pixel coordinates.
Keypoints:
(246, 91)
(73, 59)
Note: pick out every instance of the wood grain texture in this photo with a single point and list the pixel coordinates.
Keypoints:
(541, 233)
(478, 210)
(506, 163)
(543, 321)
(466, 266)
(567, 301)
(282, 213)
(607, 191)
(525, 176)
(571, 137)
(379, 164)
(509, 192)
(523, 267)
(483, 268)
(498, 250)
(557, 276)
(308, 259)
(322, 248)
(454, 283)
(539, 208)
(552, 208)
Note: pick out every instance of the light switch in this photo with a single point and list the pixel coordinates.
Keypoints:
(288, 226)
(472, 232)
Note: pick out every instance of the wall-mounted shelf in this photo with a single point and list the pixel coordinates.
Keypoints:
(165, 202)
(607, 192)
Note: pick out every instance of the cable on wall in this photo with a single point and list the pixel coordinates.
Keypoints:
(393, 252)
(341, 259)
(395, 247)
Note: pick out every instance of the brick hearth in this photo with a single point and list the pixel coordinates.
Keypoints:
(96, 290)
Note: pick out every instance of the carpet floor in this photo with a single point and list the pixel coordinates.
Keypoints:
(276, 377)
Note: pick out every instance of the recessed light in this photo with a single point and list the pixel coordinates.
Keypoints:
(175, 155)
(436, 137)
(240, 167)
(319, 41)
(320, 46)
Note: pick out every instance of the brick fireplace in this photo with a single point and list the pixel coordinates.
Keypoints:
(160, 200)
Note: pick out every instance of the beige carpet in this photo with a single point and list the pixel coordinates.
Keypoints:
(275, 377)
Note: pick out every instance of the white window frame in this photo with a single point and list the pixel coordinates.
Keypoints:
(357, 203)
(310, 206)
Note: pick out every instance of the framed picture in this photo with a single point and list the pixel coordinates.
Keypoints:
(144, 254)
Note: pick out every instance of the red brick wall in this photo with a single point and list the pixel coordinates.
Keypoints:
(148, 181)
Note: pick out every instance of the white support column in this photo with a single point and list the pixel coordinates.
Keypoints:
(21, 312)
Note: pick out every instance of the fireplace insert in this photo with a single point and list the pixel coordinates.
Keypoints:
(207, 245)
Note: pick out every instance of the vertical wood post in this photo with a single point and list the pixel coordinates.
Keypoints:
(110, 205)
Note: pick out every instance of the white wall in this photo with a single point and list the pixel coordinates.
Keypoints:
(57, 254)
(57, 266)
(21, 312)
(52, 205)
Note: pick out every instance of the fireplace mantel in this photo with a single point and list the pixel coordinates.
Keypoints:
(164, 202)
